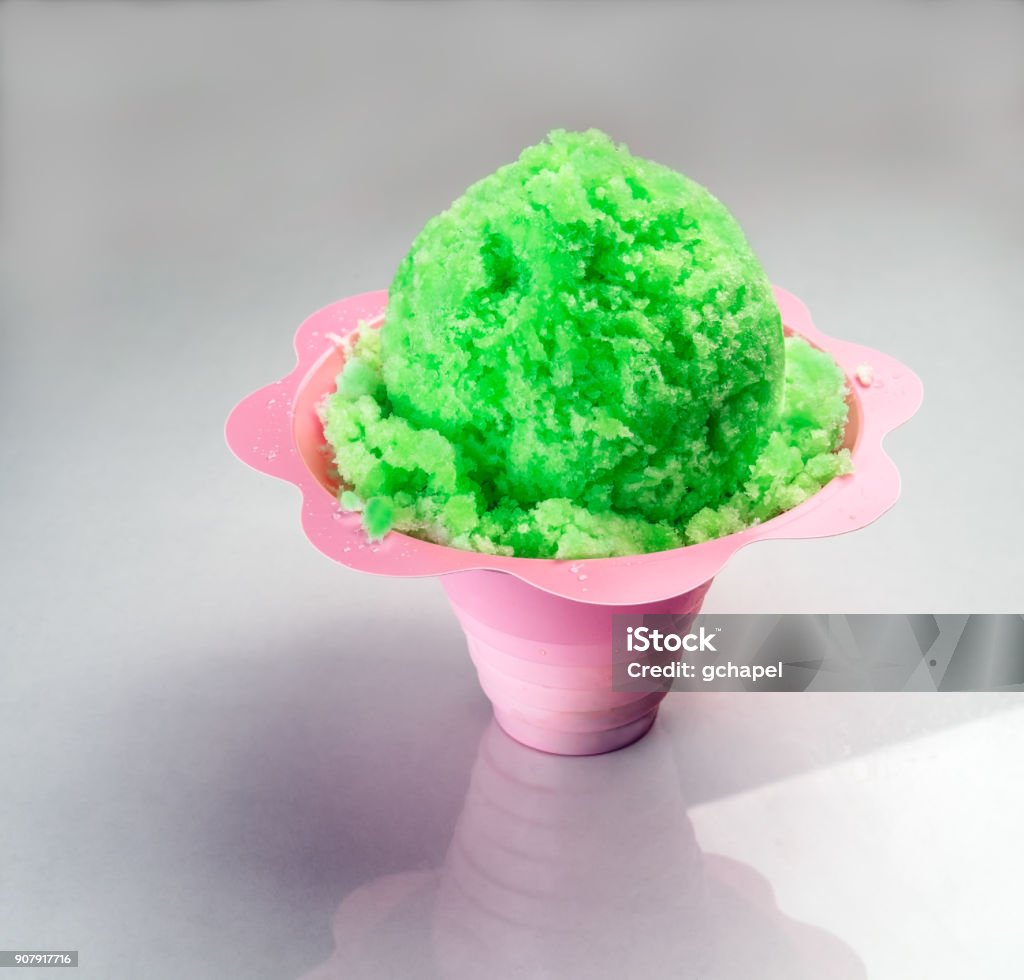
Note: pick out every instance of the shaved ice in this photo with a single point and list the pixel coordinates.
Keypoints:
(580, 358)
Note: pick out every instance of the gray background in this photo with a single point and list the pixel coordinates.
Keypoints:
(210, 734)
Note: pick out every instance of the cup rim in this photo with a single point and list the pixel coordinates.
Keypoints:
(265, 428)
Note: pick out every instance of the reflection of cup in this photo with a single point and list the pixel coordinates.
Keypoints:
(577, 868)
(570, 869)
(545, 662)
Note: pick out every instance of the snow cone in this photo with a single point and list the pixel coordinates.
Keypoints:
(581, 394)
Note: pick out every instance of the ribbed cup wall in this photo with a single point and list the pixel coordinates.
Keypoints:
(545, 662)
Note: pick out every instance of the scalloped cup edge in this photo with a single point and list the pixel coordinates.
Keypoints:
(261, 428)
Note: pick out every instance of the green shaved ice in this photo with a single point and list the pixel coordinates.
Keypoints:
(799, 458)
(589, 326)
(581, 358)
(378, 516)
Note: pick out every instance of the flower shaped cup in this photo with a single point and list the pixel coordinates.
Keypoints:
(539, 629)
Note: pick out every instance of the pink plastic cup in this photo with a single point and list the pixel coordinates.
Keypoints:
(545, 662)
(538, 629)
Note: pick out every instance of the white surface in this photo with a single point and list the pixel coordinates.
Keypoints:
(907, 853)
(211, 735)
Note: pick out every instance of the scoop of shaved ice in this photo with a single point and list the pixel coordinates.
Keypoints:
(580, 358)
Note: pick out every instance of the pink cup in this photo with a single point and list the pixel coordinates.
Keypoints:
(539, 630)
(545, 662)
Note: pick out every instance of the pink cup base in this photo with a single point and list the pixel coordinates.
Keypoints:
(574, 743)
